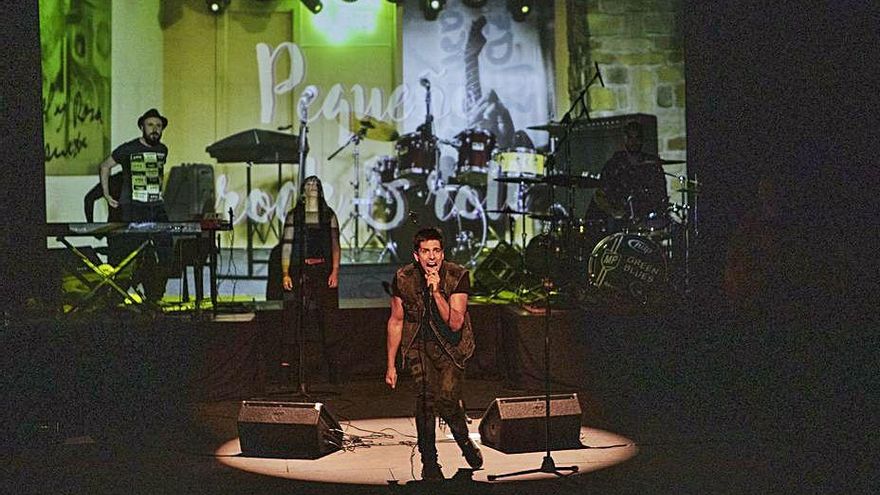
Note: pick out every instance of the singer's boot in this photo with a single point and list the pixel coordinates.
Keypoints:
(457, 422)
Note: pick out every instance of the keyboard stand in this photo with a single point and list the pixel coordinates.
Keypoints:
(106, 279)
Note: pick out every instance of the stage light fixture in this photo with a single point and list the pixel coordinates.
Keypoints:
(519, 9)
(476, 4)
(217, 6)
(314, 6)
(431, 8)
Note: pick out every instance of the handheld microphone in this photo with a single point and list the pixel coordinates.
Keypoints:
(425, 83)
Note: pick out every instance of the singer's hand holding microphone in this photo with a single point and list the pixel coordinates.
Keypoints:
(432, 279)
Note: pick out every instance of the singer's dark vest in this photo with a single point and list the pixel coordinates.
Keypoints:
(410, 283)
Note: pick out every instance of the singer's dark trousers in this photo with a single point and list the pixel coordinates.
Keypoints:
(317, 302)
(438, 382)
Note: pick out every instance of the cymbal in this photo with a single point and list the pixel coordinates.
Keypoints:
(579, 181)
(547, 217)
(372, 128)
(691, 187)
(551, 127)
(508, 211)
(520, 179)
(663, 162)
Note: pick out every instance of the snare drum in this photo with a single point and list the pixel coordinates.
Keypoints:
(416, 156)
(629, 264)
(519, 162)
(474, 153)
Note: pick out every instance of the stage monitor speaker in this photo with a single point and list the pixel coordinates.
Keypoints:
(517, 424)
(287, 430)
(190, 192)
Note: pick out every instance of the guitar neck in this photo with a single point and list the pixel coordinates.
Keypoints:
(472, 77)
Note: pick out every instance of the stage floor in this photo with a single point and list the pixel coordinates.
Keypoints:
(387, 455)
(663, 449)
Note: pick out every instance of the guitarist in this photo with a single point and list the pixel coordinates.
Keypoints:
(487, 111)
(429, 315)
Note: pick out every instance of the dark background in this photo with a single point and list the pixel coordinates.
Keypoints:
(780, 94)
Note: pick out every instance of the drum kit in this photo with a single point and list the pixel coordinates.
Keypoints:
(638, 253)
(630, 254)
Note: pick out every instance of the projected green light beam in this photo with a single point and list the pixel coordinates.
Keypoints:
(340, 21)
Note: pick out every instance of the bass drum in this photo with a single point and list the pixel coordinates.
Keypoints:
(629, 265)
(546, 257)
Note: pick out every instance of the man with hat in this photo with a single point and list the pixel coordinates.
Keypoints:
(143, 171)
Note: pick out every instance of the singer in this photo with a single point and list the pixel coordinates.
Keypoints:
(310, 246)
(429, 315)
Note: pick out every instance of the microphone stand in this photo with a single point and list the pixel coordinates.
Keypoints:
(301, 276)
(548, 465)
(430, 139)
(303, 393)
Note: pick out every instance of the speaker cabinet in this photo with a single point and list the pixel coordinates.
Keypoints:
(289, 430)
(515, 425)
(190, 192)
(591, 143)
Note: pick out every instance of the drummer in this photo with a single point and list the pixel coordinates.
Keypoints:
(633, 189)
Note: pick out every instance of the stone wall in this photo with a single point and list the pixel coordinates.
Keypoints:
(639, 47)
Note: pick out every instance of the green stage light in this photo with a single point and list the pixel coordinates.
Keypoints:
(519, 9)
(314, 6)
(340, 24)
(217, 6)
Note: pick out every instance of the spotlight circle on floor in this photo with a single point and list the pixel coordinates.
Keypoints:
(387, 460)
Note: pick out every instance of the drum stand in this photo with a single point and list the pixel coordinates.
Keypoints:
(688, 224)
(355, 214)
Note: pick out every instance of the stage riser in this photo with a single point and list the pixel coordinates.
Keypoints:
(126, 373)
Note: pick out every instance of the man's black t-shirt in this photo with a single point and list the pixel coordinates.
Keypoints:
(143, 169)
(463, 287)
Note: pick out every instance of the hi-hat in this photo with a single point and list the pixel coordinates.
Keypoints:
(372, 128)
(665, 162)
(690, 187)
(551, 127)
(520, 179)
(548, 217)
(508, 211)
(579, 181)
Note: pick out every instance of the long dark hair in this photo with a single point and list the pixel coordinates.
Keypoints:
(299, 211)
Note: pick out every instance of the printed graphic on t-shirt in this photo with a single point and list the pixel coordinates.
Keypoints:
(146, 176)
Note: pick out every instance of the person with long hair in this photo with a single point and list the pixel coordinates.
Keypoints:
(310, 256)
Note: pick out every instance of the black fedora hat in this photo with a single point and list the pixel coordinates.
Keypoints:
(152, 113)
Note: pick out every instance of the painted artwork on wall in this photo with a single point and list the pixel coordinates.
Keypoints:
(75, 43)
